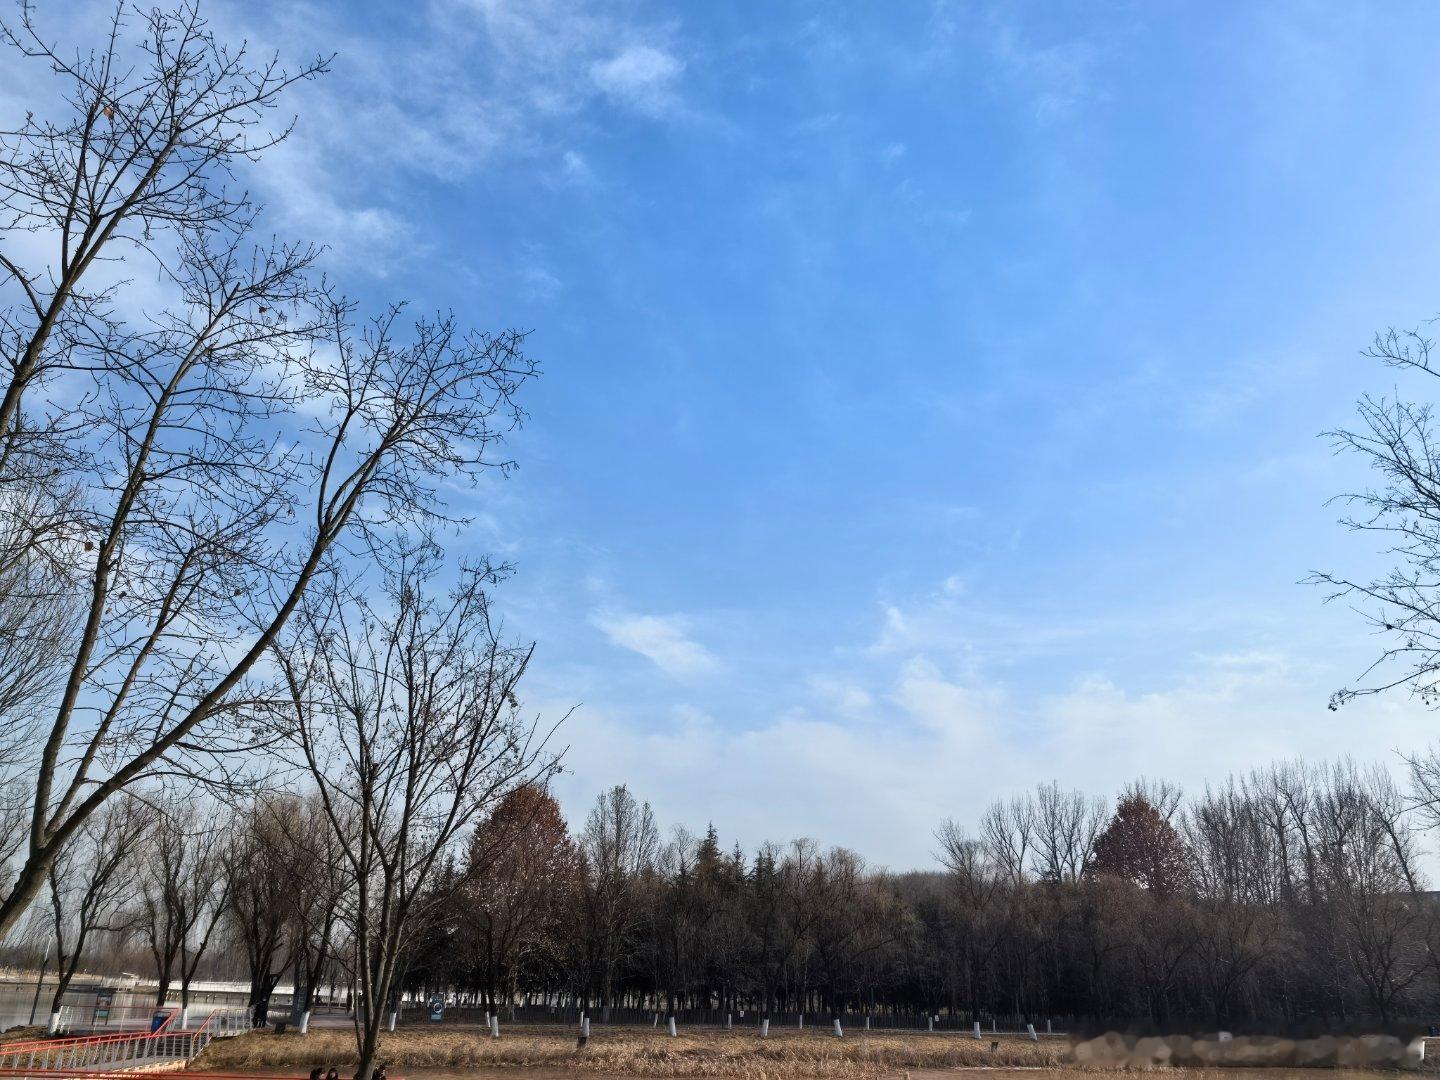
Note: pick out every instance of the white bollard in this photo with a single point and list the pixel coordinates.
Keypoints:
(993, 1028)
(672, 1027)
(839, 1031)
(495, 1027)
(392, 1020)
(1048, 1030)
(802, 1021)
(729, 1021)
(977, 1029)
(586, 1025)
(930, 1023)
(867, 1021)
(765, 1028)
(1030, 1031)
(1415, 1053)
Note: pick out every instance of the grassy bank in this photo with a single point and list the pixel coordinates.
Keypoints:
(641, 1052)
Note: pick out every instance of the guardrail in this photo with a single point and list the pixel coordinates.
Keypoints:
(81, 1055)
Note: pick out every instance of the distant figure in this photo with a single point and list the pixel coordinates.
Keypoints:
(332, 1074)
(316, 1073)
(379, 1074)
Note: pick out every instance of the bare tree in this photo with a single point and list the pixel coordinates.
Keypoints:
(1066, 825)
(89, 884)
(406, 715)
(618, 844)
(208, 507)
(258, 867)
(184, 891)
(312, 857)
(1399, 442)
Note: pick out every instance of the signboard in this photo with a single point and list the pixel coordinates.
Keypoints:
(104, 998)
(437, 1008)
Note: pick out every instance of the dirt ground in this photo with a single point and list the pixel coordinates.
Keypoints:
(420, 1052)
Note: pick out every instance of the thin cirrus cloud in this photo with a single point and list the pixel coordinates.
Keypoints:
(661, 639)
(467, 86)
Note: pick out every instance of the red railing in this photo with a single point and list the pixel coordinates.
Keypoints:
(82, 1055)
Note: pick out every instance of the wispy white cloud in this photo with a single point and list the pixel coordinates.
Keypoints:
(465, 85)
(661, 639)
(928, 743)
(1055, 79)
(640, 75)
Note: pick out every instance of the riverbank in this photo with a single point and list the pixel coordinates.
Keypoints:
(641, 1052)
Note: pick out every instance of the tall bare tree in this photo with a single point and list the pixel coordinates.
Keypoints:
(208, 502)
(405, 713)
(618, 844)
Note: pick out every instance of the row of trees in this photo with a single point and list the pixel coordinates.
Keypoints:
(1286, 896)
(1290, 895)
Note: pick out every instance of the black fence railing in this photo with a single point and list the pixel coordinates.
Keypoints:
(631, 1016)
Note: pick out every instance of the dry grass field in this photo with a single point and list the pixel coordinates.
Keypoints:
(640, 1052)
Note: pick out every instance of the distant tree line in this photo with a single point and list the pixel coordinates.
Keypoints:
(1291, 895)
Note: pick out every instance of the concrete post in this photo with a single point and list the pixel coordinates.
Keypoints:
(495, 1027)
(839, 1031)
(765, 1028)
(729, 1021)
(391, 1024)
(930, 1023)
(1048, 1029)
(671, 1025)
(977, 1029)
(1030, 1031)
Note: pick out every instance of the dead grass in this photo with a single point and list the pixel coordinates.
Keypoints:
(642, 1053)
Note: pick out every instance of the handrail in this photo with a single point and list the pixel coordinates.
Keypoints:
(211, 1016)
(83, 1054)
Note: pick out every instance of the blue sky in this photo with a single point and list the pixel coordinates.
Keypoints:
(932, 391)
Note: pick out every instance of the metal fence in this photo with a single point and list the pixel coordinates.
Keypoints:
(119, 1050)
(631, 1016)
